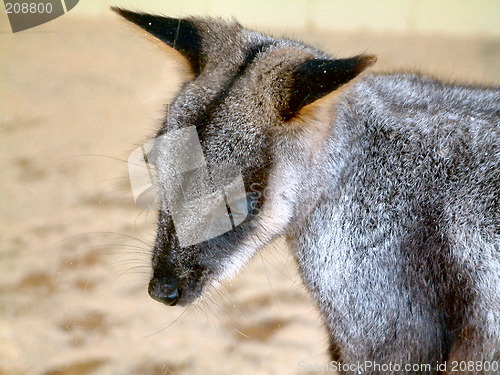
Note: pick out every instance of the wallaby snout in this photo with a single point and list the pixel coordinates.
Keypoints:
(165, 290)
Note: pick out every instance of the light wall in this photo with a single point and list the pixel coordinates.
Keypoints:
(450, 17)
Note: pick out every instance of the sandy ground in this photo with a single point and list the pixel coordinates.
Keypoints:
(77, 95)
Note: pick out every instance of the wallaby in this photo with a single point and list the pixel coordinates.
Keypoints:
(386, 187)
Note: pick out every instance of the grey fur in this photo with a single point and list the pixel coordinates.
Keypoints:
(387, 190)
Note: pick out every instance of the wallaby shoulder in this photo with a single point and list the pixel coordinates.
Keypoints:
(413, 138)
(413, 99)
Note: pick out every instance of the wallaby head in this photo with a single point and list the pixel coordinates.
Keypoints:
(249, 99)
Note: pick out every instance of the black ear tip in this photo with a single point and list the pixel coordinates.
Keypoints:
(127, 14)
(140, 19)
(365, 61)
(117, 10)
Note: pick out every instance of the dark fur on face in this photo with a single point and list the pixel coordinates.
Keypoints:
(387, 190)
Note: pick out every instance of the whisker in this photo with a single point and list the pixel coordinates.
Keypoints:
(88, 234)
(169, 324)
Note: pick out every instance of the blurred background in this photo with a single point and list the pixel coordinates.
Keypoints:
(77, 95)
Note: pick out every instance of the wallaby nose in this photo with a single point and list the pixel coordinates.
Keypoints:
(164, 291)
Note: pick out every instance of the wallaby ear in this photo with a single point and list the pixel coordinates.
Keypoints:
(318, 77)
(180, 34)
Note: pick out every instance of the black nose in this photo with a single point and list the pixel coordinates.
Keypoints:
(164, 291)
